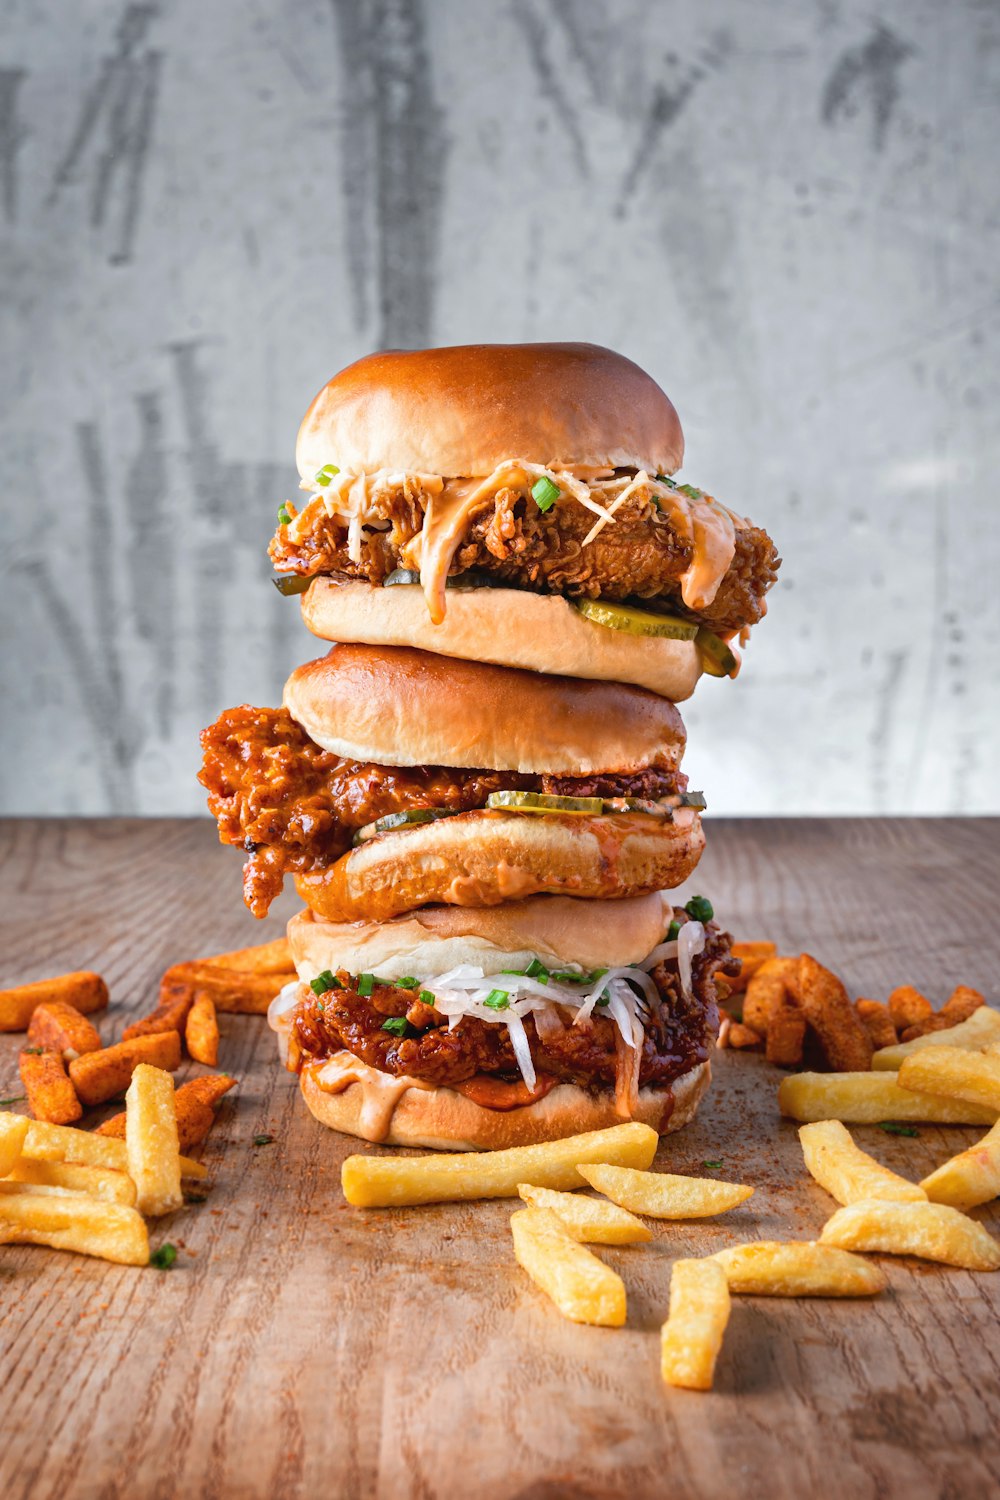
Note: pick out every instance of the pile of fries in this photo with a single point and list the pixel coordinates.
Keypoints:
(789, 1003)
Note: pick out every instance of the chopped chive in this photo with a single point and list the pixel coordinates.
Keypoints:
(537, 970)
(545, 493)
(284, 515)
(263, 1140)
(672, 932)
(568, 976)
(325, 981)
(325, 474)
(497, 1000)
(14, 1099)
(892, 1128)
(426, 997)
(195, 1197)
(366, 983)
(700, 909)
(407, 983)
(713, 1166)
(604, 998)
(690, 491)
(33, 1051)
(163, 1258)
(396, 1024)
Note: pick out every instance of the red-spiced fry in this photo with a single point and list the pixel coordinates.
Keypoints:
(767, 989)
(786, 1034)
(231, 991)
(961, 1003)
(84, 990)
(875, 1018)
(742, 1037)
(829, 1012)
(58, 1027)
(194, 1103)
(752, 956)
(170, 1015)
(201, 1033)
(99, 1076)
(51, 1095)
(908, 1007)
(265, 958)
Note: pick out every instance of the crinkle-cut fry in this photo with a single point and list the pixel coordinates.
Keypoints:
(233, 991)
(908, 1007)
(83, 989)
(662, 1195)
(767, 988)
(72, 1177)
(13, 1133)
(194, 1102)
(44, 1142)
(274, 957)
(73, 1221)
(775, 1268)
(954, 1074)
(870, 1099)
(743, 1037)
(201, 1033)
(154, 1158)
(786, 1034)
(875, 1018)
(59, 1027)
(829, 1012)
(932, 1231)
(752, 956)
(846, 1172)
(99, 1076)
(51, 1095)
(170, 1014)
(582, 1287)
(593, 1221)
(393, 1182)
(691, 1338)
(982, 1028)
(969, 1179)
(963, 1002)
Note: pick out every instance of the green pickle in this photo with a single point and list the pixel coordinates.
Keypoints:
(292, 583)
(539, 802)
(632, 621)
(717, 658)
(396, 820)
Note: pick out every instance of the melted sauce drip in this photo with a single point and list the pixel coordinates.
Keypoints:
(381, 1092)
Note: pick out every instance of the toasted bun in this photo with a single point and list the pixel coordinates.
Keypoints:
(542, 632)
(460, 412)
(400, 707)
(441, 1119)
(559, 930)
(484, 858)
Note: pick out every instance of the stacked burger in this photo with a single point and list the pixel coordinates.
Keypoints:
(478, 789)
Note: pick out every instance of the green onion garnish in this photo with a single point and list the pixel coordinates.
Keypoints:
(604, 999)
(891, 1128)
(33, 1051)
(497, 1000)
(700, 909)
(325, 474)
(163, 1258)
(690, 491)
(325, 981)
(426, 997)
(537, 970)
(569, 976)
(407, 983)
(713, 1166)
(263, 1140)
(672, 932)
(395, 1024)
(14, 1099)
(366, 983)
(284, 516)
(545, 493)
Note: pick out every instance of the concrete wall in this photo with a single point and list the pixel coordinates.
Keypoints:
(787, 211)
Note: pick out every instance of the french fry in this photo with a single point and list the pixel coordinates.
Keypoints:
(869, 1099)
(74, 1222)
(660, 1195)
(953, 1074)
(13, 1131)
(98, 1076)
(72, 1177)
(936, 1022)
(264, 958)
(969, 1179)
(982, 1028)
(691, 1337)
(766, 990)
(582, 1287)
(742, 1037)
(51, 1095)
(875, 1018)
(961, 1004)
(194, 1103)
(232, 991)
(828, 1011)
(932, 1231)
(592, 1221)
(908, 1007)
(44, 1142)
(847, 1172)
(202, 1031)
(394, 1182)
(771, 1268)
(786, 1034)
(84, 990)
(170, 1015)
(154, 1158)
(752, 956)
(59, 1027)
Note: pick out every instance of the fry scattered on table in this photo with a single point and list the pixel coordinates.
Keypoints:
(773, 1268)
(72, 1221)
(786, 1035)
(662, 1195)
(50, 1091)
(201, 1033)
(582, 1287)
(99, 1076)
(829, 1012)
(83, 989)
(59, 1027)
(869, 1099)
(691, 1338)
(96, 1182)
(44, 1142)
(932, 1231)
(846, 1172)
(13, 1133)
(170, 1015)
(875, 1018)
(981, 1028)
(752, 956)
(592, 1221)
(954, 1074)
(195, 1105)
(154, 1159)
(969, 1179)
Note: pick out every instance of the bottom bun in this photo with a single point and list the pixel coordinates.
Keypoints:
(377, 1107)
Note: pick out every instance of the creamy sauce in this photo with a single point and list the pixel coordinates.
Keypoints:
(381, 1092)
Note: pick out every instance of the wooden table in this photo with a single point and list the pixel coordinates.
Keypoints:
(303, 1348)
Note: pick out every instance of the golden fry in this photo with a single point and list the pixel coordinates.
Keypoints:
(931, 1231)
(13, 1132)
(59, 1027)
(982, 1028)
(691, 1338)
(74, 1222)
(44, 1142)
(194, 1103)
(969, 1179)
(869, 1099)
(954, 1074)
(582, 1287)
(51, 1095)
(154, 1158)
(660, 1195)
(84, 990)
(98, 1076)
(592, 1221)
(202, 1031)
(847, 1172)
(829, 1012)
(771, 1268)
(72, 1177)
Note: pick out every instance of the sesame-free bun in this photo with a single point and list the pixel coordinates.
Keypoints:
(373, 1108)
(511, 627)
(460, 412)
(481, 859)
(400, 707)
(558, 930)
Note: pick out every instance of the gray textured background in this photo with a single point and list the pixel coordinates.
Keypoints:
(787, 211)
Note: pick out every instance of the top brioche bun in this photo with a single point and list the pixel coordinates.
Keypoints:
(462, 411)
(400, 707)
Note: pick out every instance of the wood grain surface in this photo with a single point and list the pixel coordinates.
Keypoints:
(301, 1347)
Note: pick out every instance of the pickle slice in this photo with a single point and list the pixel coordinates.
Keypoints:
(468, 580)
(400, 575)
(693, 799)
(407, 819)
(632, 621)
(716, 657)
(292, 583)
(540, 802)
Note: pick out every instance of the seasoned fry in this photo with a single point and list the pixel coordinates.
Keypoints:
(766, 990)
(935, 1022)
(264, 958)
(74, 1222)
(98, 1076)
(786, 1034)
(84, 990)
(961, 1004)
(154, 1159)
(982, 1028)
(45, 1142)
(847, 1172)
(202, 1031)
(868, 1099)
(971, 1178)
(660, 1195)
(194, 1103)
(931, 1231)
(13, 1131)
(232, 991)
(72, 1177)
(830, 1014)
(954, 1074)
(51, 1095)
(752, 956)
(59, 1027)
(771, 1268)
(875, 1018)
(392, 1182)
(908, 1007)
(170, 1015)
(583, 1288)
(592, 1221)
(691, 1337)
(743, 1037)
